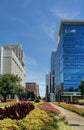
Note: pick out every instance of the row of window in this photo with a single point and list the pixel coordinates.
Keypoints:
(74, 66)
(72, 39)
(73, 45)
(80, 71)
(73, 77)
(74, 57)
(73, 52)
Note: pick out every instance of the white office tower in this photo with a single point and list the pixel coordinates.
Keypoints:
(12, 61)
(18, 51)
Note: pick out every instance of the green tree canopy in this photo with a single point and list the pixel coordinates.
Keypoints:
(10, 85)
(30, 95)
(81, 87)
(71, 89)
(27, 95)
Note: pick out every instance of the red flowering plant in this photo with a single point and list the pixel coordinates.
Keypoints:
(48, 107)
(16, 111)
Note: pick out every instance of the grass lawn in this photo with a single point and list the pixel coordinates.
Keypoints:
(37, 119)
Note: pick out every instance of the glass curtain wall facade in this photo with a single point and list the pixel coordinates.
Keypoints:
(73, 47)
(53, 65)
(70, 56)
(48, 86)
(59, 71)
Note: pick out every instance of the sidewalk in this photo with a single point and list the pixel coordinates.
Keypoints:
(76, 121)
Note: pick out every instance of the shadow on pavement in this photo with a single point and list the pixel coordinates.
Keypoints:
(76, 125)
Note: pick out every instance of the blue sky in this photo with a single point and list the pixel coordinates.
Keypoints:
(35, 25)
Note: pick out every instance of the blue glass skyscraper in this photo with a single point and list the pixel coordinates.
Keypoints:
(69, 69)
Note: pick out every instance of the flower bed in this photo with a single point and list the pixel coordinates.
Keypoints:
(16, 111)
(48, 107)
(37, 119)
(8, 103)
(71, 107)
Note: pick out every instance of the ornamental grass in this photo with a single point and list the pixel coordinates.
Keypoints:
(71, 107)
(8, 103)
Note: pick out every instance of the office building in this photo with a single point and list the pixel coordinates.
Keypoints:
(53, 68)
(50, 95)
(17, 49)
(32, 87)
(48, 85)
(11, 63)
(69, 60)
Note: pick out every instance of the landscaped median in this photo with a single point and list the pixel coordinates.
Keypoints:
(48, 107)
(8, 103)
(71, 107)
(43, 117)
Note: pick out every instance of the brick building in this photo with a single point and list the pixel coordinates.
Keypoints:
(32, 87)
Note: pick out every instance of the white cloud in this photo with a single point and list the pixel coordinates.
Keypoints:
(49, 30)
(31, 61)
(65, 14)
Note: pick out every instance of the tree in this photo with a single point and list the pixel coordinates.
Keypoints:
(30, 95)
(71, 89)
(10, 85)
(27, 95)
(39, 97)
(81, 87)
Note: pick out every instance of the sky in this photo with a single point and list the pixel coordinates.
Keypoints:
(35, 24)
